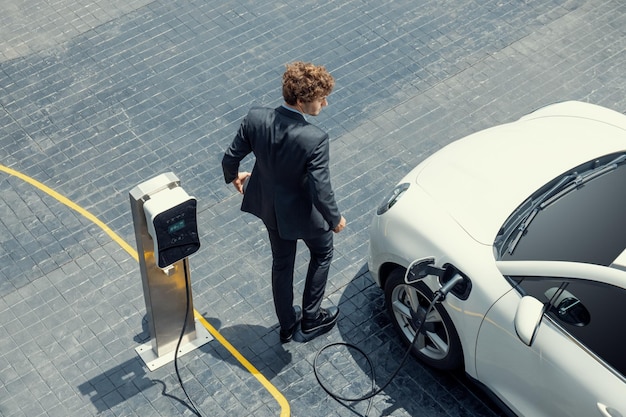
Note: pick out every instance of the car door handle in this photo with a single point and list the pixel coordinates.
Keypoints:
(608, 411)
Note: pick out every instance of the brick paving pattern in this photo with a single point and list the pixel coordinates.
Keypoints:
(97, 97)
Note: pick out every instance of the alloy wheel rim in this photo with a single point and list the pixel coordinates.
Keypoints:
(433, 341)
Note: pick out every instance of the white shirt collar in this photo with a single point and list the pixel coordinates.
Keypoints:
(294, 110)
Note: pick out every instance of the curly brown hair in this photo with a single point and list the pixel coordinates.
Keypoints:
(306, 82)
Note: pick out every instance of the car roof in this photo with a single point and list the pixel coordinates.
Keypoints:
(481, 179)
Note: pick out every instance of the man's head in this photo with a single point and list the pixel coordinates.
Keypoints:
(306, 86)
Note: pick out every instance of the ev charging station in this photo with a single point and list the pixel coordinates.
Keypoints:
(166, 230)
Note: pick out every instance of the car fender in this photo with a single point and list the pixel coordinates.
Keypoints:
(425, 234)
(488, 285)
(419, 228)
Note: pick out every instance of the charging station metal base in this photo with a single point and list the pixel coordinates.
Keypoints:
(167, 291)
(154, 362)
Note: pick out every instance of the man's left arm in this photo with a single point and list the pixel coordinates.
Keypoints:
(319, 179)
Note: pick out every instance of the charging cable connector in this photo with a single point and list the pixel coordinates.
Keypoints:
(441, 293)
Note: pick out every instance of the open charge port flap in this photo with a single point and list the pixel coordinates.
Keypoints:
(462, 289)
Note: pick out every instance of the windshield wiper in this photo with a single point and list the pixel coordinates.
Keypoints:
(583, 178)
(535, 208)
(565, 185)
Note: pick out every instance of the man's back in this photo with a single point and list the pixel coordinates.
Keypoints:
(290, 184)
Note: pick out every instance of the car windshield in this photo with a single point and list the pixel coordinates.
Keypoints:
(578, 217)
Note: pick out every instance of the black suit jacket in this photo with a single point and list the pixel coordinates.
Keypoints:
(289, 188)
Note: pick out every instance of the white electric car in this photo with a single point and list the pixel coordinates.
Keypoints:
(530, 219)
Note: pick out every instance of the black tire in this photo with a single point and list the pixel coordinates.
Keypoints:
(438, 343)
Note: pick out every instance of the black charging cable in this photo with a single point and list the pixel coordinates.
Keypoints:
(191, 404)
(419, 318)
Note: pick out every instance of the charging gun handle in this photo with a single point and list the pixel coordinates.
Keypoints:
(447, 287)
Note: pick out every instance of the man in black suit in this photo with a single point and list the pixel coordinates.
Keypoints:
(290, 190)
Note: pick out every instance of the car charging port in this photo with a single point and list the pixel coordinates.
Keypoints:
(462, 288)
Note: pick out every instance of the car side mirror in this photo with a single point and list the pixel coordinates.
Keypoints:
(527, 319)
(418, 270)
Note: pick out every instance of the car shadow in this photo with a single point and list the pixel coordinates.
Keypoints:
(416, 388)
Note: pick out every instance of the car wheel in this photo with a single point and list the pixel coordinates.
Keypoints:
(438, 343)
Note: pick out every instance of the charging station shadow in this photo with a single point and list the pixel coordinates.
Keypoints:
(122, 382)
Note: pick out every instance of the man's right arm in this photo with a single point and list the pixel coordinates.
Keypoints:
(240, 181)
(238, 149)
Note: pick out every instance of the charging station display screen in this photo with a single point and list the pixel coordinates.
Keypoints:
(176, 232)
(179, 225)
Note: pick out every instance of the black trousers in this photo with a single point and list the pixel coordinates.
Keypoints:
(283, 261)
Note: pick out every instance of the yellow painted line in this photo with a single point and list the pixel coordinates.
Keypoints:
(73, 206)
(284, 404)
(282, 401)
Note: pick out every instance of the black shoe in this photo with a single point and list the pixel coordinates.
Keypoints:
(287, 335)
(326, 319)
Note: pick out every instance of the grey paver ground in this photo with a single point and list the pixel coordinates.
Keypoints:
(97, 97)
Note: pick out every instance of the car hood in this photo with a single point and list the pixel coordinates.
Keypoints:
(481, 179)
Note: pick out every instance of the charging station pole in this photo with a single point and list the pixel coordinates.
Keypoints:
(167, 290)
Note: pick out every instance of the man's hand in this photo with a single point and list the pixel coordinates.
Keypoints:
(340, 226)
(238, 182)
